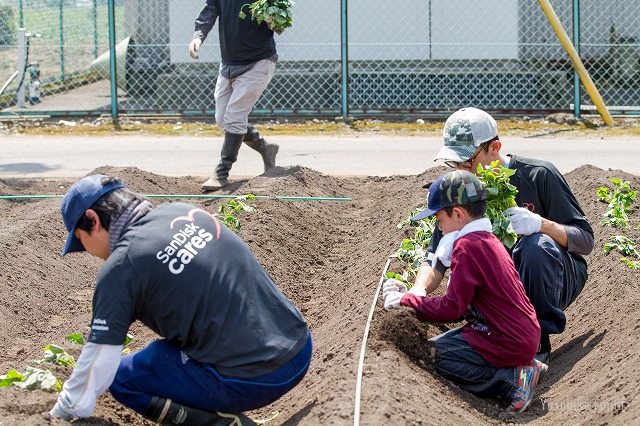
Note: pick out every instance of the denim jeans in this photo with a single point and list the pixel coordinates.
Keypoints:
(162, 369)
(457, 361)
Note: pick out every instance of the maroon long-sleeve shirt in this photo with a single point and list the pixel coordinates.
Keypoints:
(485, 290)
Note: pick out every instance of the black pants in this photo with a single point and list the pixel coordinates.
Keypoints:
(552, 278)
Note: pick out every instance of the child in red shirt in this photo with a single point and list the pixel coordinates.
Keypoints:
(493, 353)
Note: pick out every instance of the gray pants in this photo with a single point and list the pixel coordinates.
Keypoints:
(235, 98)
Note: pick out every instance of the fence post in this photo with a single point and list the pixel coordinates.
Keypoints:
(112, 61)
(345, 58)
(576, 44)
(20, 15)
(94, 16)
(62, 77)
(22, 65)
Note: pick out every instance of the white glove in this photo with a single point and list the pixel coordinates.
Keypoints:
(418, 291)
(194, 47)
(393, 285)
(392, 300)
(524, 222)
(445, 249)
(58, 411)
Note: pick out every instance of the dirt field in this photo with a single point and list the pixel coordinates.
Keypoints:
(328, 257)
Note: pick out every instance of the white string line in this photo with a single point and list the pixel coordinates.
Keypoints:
(356, 412)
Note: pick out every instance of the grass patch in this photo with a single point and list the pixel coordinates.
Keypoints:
(206, 127)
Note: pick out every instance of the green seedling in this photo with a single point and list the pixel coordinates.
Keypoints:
(230, 212)
(392, 275)
(75, 338)
(276, 13)
(619, 201)
(412, 250)
(626, 247)
(501, 195)
(56, 355)
(11, 377)
(32, 378)
(36, 378)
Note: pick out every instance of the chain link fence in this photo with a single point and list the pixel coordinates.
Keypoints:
(411, 56)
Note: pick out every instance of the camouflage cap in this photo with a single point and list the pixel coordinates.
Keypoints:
(463, 133)
(455, 188)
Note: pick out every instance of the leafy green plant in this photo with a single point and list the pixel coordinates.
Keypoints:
(57, 355)
(75, 338)
(276, 13)
(412, 250)
(619, 201)
(37, 378)
(32, 378)
(500, 196)
(625, 246)
(392, 275)
(230, 212)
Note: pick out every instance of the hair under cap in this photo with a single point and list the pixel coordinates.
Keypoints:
(455, 188)
(80, 197)
(463, 133)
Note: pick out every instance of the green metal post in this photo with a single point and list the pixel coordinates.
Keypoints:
(61, 40)
(94, 16)
(112, 61)
(345, 59)
(576, 43)
(430, 33)
(20, 15)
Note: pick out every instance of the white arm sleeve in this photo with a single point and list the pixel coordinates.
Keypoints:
(94, 372)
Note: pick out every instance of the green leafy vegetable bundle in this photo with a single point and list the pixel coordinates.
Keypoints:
(276, 13)
(500, 196)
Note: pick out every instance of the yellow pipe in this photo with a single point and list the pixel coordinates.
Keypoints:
(577, 62)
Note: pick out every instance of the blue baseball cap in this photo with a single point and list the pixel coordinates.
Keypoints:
(80, 197)
(455, 188)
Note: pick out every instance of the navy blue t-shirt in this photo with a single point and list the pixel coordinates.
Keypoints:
(186, 276)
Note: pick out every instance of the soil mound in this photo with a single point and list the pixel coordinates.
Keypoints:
(327, 252)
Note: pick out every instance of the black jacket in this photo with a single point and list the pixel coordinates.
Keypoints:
(242, 41)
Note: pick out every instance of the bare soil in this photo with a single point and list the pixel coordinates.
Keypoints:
(328, 257)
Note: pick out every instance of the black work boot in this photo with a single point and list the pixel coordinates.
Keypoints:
(544, 349)
(164, 411)
(268, 151)
(228, 156)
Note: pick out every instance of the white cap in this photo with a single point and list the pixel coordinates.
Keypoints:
(463, 133)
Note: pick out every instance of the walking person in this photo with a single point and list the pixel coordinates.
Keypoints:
(229, 339)
(249, 58)
(554, 231)
(492, 355)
